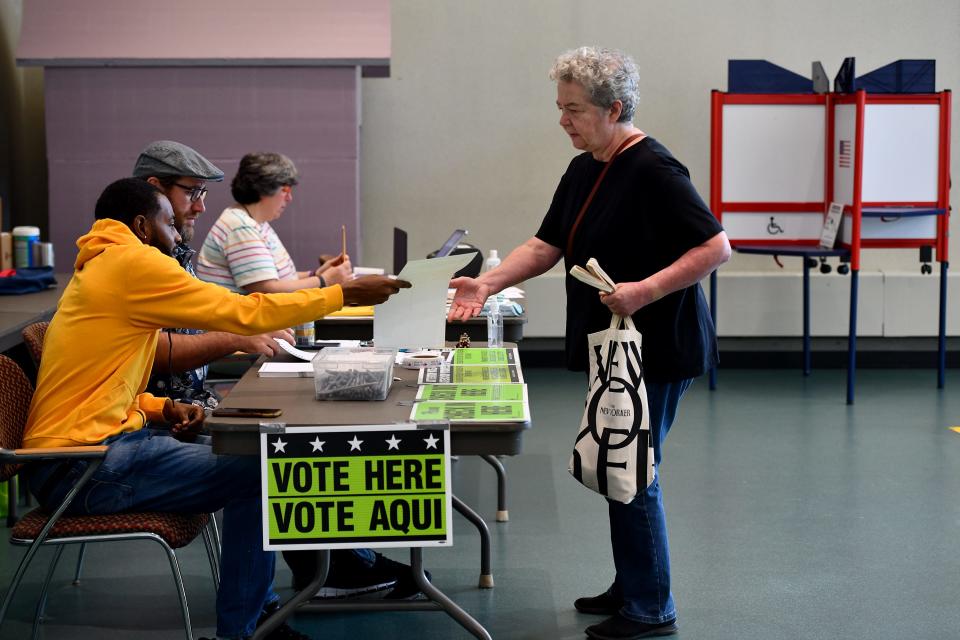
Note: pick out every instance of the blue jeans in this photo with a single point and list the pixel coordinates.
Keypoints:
(148, 470)
(638, 530)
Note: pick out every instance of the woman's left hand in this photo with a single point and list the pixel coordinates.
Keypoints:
(628, 298)
(336, 270)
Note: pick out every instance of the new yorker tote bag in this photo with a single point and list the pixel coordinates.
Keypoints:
(613, 453)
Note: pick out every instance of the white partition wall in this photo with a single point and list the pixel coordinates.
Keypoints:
(768, 161)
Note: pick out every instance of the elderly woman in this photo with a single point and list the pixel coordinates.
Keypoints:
(654, 236)
(242, 251)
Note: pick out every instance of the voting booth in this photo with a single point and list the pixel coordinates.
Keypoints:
(779, 160)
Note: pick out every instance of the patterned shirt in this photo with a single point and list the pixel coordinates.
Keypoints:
(182, 386)
(239, 251)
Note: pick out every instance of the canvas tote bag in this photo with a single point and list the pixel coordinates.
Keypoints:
(613, 452)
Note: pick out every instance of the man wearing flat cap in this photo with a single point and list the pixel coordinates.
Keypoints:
(180, 368)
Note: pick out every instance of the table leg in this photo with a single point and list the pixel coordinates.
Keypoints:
(942, 338)
(502, 514)
(852, 335)
(437, 601)
(280, 615)
(486, 577)
(448, 605)
(713, 317)
(806, 318)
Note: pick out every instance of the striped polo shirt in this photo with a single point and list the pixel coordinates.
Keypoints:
(239, 251)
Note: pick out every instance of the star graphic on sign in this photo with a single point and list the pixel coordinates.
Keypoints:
(393, 443)
(431, 442)
(355, 443)
(317, 444)
(279, 445)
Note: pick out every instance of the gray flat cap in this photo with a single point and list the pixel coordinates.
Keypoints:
(169, 158)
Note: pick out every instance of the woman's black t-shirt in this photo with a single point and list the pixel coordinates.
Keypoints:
(645, 215)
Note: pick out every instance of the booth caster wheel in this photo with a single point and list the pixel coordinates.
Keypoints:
(926, 269)
(843, 269)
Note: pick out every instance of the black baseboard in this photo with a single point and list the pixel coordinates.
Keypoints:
(787, 353)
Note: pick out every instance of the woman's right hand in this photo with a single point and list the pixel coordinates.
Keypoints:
(368, 290)
(468, 299)
(336, 270)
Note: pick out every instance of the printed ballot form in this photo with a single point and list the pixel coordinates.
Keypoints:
(417, 317)
(356, 486)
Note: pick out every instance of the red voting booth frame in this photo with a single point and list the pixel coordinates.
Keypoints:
(855, 211)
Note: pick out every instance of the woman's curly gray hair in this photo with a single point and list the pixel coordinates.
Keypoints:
(607, 75)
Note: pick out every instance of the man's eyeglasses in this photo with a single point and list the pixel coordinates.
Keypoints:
(195, 193)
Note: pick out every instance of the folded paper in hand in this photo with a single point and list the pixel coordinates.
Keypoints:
(593, 275)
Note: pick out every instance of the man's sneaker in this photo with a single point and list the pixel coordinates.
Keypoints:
(406, 587)
(367, 584)
(284, 631)
(620, 628)
(603, 604)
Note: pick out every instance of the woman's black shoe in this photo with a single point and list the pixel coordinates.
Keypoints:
(601, 605)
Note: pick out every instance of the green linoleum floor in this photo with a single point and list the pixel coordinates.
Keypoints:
(791, 515)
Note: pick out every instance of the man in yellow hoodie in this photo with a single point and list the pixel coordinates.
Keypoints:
(98, 352)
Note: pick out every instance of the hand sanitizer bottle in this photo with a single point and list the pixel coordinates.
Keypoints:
(493, 260)
(494, 323)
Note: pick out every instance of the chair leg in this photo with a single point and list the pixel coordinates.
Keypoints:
(178, 579)
(212, 556)
(76, 575)
(215, 533)
(18, 576)
(42, 600)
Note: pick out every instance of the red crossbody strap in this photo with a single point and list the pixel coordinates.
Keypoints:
(596, 185)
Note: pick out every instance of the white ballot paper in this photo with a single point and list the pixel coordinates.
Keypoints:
(416, 318)
(296, 353)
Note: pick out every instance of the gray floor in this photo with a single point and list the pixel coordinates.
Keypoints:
(791, 515)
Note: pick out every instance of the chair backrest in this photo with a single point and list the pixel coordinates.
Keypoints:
(15, 395)
(33, 336)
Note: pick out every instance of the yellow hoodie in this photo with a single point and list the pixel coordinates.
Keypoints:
(100, 345)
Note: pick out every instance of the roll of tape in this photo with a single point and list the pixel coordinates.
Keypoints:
(421, 359)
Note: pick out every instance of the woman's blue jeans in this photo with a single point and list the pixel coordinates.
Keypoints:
(148, 470)
(638, 530)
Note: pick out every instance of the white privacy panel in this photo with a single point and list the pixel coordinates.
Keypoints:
(773, 153)
(844, 137)
(901, 154)
(773, 226)
(893, 227)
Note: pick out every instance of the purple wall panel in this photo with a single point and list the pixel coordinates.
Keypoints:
(98, 119)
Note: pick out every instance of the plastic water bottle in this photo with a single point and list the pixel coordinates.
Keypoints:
(493, 260)
(494, 323)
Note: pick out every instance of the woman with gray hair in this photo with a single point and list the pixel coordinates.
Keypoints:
(242, 251)
(627, 202)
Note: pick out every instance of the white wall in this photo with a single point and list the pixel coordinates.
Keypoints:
(464, 132)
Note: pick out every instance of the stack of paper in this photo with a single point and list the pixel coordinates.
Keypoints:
(472, 403)
(593, 275)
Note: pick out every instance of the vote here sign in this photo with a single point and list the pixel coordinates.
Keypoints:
(356, 486)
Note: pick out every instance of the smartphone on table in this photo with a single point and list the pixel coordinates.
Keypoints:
(246, 412)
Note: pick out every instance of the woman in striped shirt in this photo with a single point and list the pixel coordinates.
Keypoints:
(242, 251)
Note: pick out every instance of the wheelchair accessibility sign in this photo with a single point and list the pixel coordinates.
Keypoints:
(356, 486)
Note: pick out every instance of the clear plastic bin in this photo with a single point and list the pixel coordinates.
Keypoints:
(341, 373)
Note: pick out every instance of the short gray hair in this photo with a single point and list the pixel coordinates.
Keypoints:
(261, 174)
(607, 75)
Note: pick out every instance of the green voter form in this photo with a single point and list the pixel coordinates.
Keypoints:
(356, 486)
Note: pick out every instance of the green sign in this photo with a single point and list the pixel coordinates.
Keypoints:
(473, 392)
(485, 356)
(360, 486)
(470, 411)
